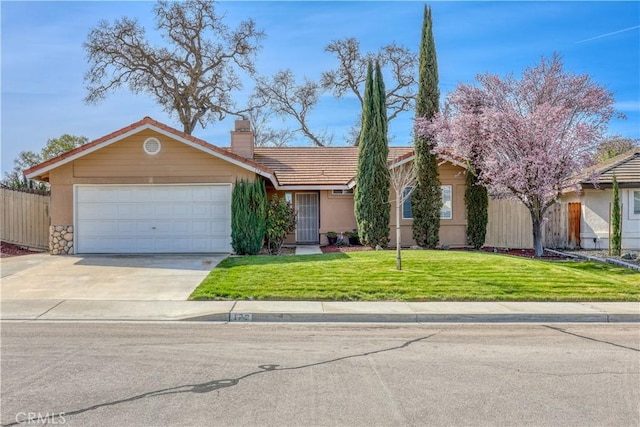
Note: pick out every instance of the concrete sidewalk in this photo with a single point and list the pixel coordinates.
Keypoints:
(315, 311)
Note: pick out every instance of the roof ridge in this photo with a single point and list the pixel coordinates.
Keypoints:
(611, 163)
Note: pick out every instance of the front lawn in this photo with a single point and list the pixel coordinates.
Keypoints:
(426, 276)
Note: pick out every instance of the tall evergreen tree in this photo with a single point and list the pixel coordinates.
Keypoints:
(477, 202)
(372, 185)
(615, 240)
(426, 200)
(248, 216)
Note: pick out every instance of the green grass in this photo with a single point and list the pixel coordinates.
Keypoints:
(426, 276)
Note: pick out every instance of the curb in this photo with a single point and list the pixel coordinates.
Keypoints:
(318, 312)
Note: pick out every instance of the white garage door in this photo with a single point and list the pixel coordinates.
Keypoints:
(153, 218)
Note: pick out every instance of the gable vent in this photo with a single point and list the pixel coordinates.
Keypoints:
(151, 146)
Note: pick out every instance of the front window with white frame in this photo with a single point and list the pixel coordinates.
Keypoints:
(634, 204)
(446, 212)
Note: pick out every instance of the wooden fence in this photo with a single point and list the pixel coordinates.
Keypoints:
(25, 218)
(510, 225)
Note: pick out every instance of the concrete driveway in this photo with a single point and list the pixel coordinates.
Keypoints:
(104, 277)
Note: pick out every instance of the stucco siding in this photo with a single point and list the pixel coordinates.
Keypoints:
(336, 214)
(595, 219)
(452, 231)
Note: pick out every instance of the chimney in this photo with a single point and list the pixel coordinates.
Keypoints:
(242, 139)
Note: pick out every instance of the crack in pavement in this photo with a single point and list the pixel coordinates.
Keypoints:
(590, 338)
(209, 386)
(553, 374)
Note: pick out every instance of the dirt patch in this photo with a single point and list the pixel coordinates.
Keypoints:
(9, 250)
(286, 250)
(527, 253)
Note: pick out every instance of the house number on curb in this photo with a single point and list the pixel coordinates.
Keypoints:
(240, 317)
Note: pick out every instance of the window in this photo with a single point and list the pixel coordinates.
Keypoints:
(636, 202)
(407, 211)
(342, 192)
(446, 212)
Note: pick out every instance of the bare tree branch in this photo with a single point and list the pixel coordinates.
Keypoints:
(296, 101)
(287, 99)
(265, 135)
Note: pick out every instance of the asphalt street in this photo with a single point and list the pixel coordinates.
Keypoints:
(188, 374)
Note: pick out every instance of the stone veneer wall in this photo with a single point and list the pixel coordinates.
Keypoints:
(61, 239)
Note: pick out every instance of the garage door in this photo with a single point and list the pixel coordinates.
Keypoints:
(153, 218)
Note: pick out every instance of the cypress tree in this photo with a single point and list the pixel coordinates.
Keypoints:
(426, 200)
(248, 216)
(615, 240)
(371, 199)
(477, 202)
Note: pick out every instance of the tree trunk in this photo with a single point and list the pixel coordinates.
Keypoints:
(398, 234)
(537, 235)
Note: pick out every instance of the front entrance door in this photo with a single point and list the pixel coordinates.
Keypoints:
(307, 225)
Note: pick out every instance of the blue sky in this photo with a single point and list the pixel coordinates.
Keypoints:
(43, 61)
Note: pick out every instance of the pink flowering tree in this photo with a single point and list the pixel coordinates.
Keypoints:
(526, 137)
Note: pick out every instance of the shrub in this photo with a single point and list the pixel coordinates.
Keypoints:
(477, 201)
(281, 220)
(615, 242)
(248, 210)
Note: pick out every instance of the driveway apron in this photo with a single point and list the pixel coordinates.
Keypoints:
(105, 277)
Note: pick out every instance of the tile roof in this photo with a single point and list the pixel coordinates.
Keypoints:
(315, 165)
(626, 167)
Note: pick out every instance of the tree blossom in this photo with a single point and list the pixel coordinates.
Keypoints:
(527, 137)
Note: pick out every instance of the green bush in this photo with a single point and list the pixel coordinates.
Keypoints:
(281, 220)
(477, 201)
(615, 241)
(248, 215)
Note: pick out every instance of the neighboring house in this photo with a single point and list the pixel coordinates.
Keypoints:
(149, 188)
(592, 197)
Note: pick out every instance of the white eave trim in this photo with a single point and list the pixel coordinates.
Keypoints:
(163, 132)
(311, 187)
(401, 162)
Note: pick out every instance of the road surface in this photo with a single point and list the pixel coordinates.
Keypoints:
(187, 374)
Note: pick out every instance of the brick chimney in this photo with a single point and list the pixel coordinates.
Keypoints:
(242, 139)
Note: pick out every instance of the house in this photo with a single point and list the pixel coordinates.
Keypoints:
(150, 188)
(592, 196)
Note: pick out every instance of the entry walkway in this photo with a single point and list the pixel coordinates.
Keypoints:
(308, 250)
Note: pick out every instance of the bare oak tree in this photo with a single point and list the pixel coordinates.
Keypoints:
(288, 99)
(350, 75)
(192, 76)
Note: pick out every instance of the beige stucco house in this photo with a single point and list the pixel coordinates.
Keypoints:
(594, 193)
(150, 188)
